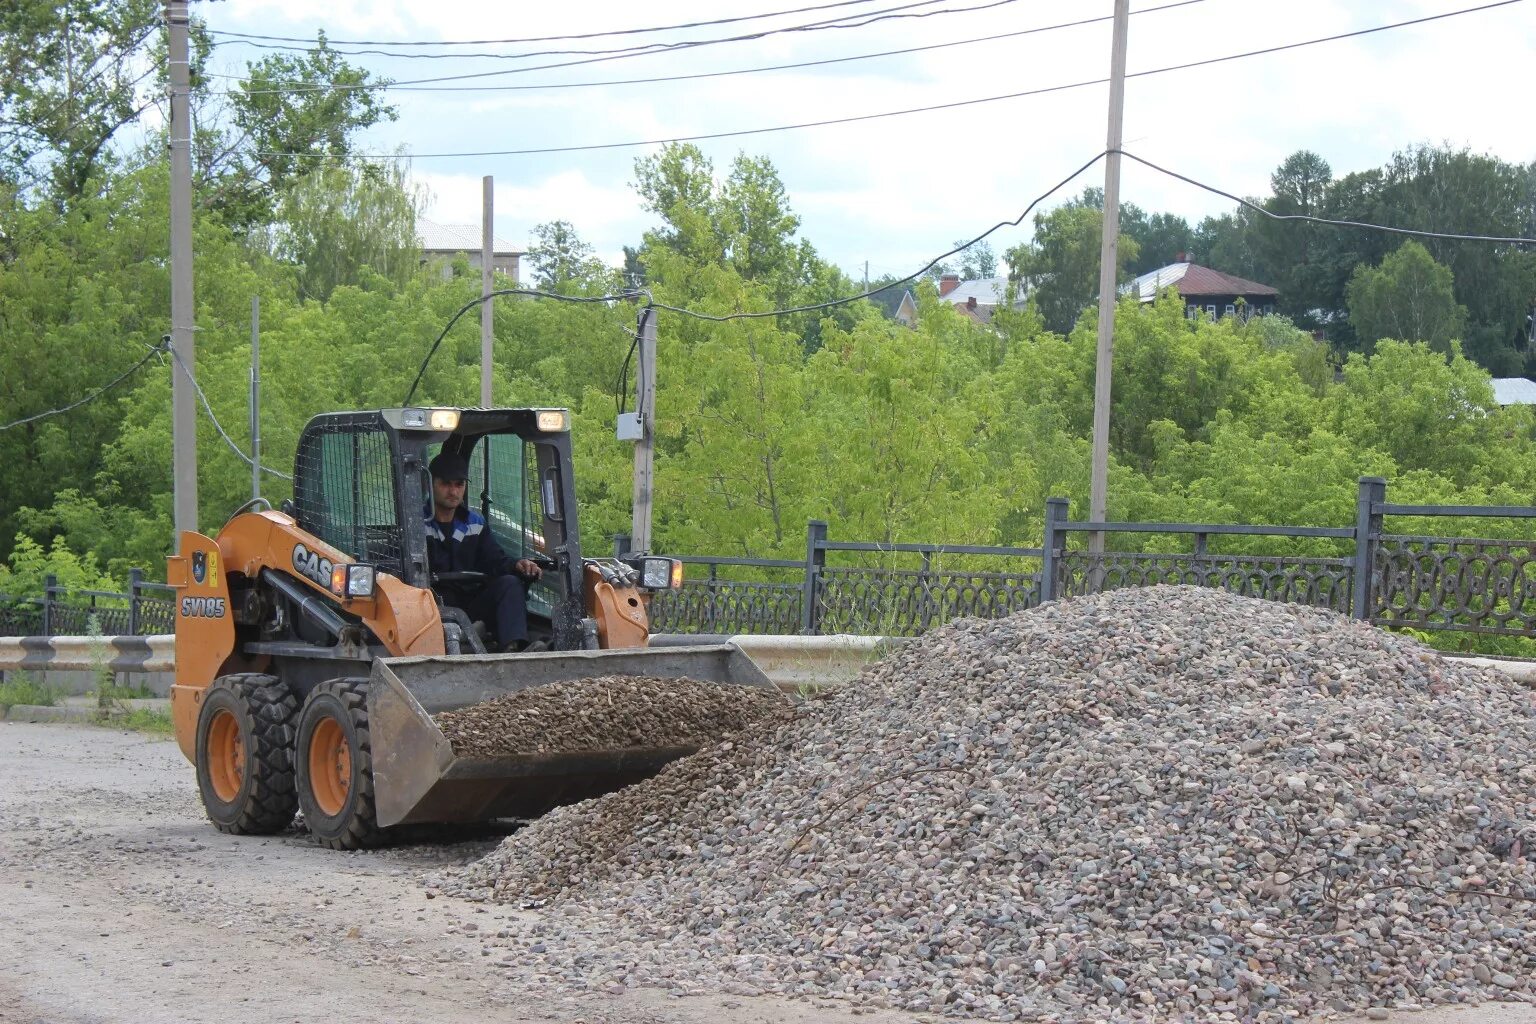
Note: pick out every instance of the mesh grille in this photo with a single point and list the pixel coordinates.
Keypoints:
(345, 493)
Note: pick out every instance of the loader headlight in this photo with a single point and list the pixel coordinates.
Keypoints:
(658, 573)
(444, 419)
(353, 580)
(553, 421)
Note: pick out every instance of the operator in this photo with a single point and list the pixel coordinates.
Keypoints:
(458, 540)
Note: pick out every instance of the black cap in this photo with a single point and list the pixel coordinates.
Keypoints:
(450, 466)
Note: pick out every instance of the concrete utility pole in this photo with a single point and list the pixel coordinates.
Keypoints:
(1109, 260)
(645, 448)
(183, 384)
(487, 283)
(255, 396)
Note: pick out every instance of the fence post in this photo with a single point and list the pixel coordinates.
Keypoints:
(50, 583)
(135, 580)
(1202, 572)
(815, 559)
(621, 543)
(926, 605)
(1055, 512)
(1373, 491)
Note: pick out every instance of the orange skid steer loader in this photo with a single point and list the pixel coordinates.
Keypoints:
(312, 652)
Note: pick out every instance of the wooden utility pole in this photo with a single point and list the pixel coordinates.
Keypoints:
(1109, 261)
(183, 383)
(487, 283)
(645, 447)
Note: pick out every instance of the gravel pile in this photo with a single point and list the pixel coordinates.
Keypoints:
(1166, 802)
(606, 713)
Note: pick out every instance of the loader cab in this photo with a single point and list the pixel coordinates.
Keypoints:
(361, 484)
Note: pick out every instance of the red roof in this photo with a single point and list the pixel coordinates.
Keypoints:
(1198, 280)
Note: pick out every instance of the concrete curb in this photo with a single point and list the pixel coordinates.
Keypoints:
(76, 711)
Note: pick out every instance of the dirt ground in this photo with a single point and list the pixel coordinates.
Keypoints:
(120, 903)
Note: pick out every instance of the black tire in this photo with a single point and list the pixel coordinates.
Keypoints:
(333, 764)
(244, 754)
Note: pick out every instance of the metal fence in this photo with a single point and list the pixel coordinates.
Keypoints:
(147, 609)
(1424, 580)
(1427, 580)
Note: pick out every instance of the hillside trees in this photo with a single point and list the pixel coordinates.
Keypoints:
(1061, 263)
(1409, 296)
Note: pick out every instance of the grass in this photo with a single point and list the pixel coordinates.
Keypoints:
(152, 723)
(21, 688)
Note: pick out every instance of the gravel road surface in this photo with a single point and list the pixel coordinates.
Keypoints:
(119, 903)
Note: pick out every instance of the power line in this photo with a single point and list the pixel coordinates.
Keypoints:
(1327, 220)
(909, 110)
(748, 71)
(156, 350)
(216, 424)
(552, 39)
(641, 51)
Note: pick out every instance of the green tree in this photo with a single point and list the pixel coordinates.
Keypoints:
(977, 261)
(1161, 237)
(68, 85)
(1409, 297)
(559, 256)
(1060, 265)
(289, 117)
(338, 223)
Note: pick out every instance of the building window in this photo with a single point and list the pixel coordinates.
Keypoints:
(1231, 309)
(1192, 311)
(1211, 310)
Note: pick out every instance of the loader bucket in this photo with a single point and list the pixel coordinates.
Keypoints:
(418, 778)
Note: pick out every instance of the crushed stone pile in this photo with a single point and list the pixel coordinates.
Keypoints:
(608, 712)
(1165, 803)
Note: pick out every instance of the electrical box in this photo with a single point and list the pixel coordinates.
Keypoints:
(630, 427)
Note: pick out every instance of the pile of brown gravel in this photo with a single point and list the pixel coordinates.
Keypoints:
(608, 713)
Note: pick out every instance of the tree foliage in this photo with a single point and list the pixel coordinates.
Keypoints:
(1409, 296)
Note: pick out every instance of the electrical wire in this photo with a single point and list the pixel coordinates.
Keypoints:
(771, 67)
(552, 39)
(909, 110)
(633, 51)
(622, 385)
(156, 350)
(1417, 233)
(536, 293)
(643, 48)
(219, 426)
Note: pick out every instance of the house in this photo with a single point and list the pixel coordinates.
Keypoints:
(1514, 391)
(1202, 288)
(445, 241)
(977, 299)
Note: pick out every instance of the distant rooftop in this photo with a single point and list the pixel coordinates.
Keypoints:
(987, 291)
(1514, 391)
(1193, 279)
(452, 238)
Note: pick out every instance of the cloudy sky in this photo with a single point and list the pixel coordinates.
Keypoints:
(895, 191)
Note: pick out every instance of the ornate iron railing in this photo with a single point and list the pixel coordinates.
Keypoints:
(146, 610)
(1469, 584)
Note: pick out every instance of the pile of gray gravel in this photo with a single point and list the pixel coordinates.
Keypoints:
(608, 713)
(1167, 802)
